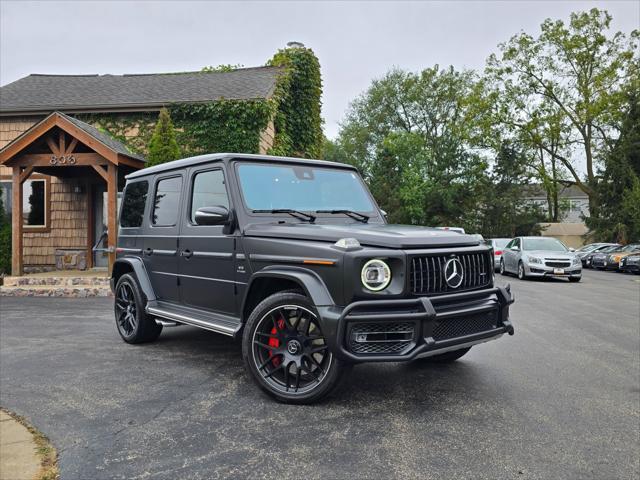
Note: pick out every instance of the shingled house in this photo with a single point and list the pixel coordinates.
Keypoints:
(67, 141)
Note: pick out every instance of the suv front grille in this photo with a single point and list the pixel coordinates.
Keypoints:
(427, 273)
(381, 338)
(467, 325)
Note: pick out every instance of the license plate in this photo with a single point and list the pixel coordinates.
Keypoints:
(558, 271)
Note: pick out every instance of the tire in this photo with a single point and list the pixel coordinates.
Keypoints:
(521, 274)
(132, 322)
(447, 357)
(286, 352)
(503, 270)
(574, 280)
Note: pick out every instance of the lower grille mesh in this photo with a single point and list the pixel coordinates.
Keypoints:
(468, 325)
(381, 338)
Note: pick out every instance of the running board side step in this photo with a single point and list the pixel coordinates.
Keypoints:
(174, 314)
(165, 323)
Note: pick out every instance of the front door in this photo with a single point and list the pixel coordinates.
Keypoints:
(206, 261)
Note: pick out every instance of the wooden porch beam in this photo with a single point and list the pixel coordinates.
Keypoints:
(52, 145)
(71, 160)
(62, 143)
(25, 174)
(101, 171)
(16, 227)
(112, 205)
(72, 146)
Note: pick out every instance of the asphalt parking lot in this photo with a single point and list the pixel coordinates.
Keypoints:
(560, 399)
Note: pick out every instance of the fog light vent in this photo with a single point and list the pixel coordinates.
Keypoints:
(381, 338)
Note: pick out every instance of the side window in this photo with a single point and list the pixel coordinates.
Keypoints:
(208, 191)
(135, 198)
(517, 243)
(511, 243)
(166, 202)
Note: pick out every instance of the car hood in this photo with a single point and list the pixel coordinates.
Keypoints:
(550, 254)
(374, 234)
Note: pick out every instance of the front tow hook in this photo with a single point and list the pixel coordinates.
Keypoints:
(508, 326)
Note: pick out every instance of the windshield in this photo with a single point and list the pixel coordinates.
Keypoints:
(549, 244)
(631, 247)
(304, 188)
(500, 242)
(589, 248)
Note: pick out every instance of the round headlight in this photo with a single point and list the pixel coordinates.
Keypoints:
(375, 275)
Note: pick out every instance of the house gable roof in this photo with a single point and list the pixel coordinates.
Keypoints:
(80, 93)
(102, 143)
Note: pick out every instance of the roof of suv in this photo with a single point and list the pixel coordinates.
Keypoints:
(191, 161)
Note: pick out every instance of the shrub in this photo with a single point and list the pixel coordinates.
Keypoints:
(163, 146)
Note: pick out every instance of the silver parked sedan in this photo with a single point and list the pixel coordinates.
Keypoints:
(498, 245)
(540, 257)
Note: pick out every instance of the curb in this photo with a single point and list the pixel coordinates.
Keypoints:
(26, 454)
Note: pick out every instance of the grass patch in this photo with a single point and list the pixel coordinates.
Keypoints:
(44, 449)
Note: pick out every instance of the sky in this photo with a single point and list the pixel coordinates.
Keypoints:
(355, 41)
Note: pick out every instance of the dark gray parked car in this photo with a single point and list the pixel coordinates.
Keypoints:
(294, 257)
(584, 253)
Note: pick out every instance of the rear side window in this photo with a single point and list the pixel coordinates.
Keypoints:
(208, 191)
(166, 202)
(135, 198)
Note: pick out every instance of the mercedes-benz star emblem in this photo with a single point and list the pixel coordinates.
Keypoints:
(293, 347)
(453, 273)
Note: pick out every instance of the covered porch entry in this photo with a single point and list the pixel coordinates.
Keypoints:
(74, 173)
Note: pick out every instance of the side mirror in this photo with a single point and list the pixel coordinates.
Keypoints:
(384, 214)
(571, 249)
(515, 248)
(212, 216)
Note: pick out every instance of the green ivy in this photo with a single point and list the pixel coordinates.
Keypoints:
(236, 125)
(297, 122)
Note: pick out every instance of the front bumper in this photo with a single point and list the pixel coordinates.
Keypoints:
(416, 327)
(542, 270)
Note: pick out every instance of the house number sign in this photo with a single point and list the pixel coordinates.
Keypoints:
(62, 160)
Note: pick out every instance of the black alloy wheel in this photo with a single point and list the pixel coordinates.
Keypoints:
(126, 310)
(134, 325)
(286, 351)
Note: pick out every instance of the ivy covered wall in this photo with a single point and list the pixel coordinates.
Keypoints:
(238, 125)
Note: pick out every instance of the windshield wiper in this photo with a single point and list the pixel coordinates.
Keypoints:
(294, 213)
(349, 213)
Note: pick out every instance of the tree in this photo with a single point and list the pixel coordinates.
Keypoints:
(619, 190)
(163, 146)
(504, 212)
(570, 80)
(409, 135)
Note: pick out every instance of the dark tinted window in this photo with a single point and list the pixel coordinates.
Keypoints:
(135, 198)
(208, 191)
(34, 203)
(165, 203)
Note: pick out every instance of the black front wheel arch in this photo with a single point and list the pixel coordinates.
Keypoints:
(286, 351)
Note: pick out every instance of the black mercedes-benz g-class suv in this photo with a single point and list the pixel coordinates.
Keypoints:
(295, 258)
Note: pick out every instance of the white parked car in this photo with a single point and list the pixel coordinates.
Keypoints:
(498, 245)
(540, 257)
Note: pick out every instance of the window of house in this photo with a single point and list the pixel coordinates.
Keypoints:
(166, 202)
(34, 203)
(208, 191)
(5, 196)
(133, 204)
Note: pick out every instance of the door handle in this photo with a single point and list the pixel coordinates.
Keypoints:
(186, 253)
(147, 251)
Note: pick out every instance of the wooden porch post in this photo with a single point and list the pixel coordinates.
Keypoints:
(112, 202)
(16, 227)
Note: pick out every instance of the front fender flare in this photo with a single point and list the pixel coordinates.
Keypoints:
(137, 265)
(313, 286)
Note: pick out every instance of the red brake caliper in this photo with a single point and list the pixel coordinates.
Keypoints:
(275, 343)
